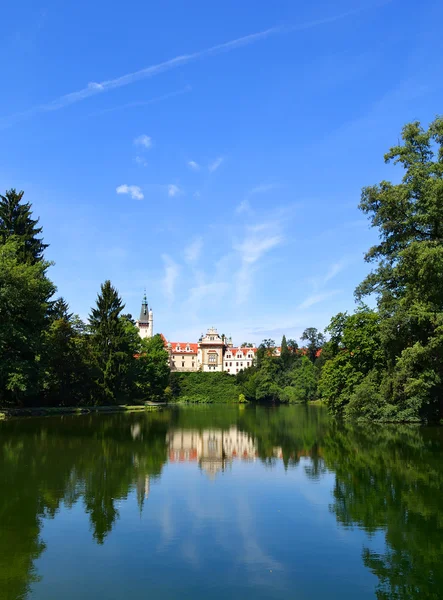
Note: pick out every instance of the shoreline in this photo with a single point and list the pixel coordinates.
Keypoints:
(47, 411)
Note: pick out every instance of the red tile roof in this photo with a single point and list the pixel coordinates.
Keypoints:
(193, 348)
(244, 351)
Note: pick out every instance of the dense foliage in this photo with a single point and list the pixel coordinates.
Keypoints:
(381, 364)
(387, 363)
(290, 375)
(203, 387)
(47, 354)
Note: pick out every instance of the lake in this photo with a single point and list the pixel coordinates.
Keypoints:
(219, 502)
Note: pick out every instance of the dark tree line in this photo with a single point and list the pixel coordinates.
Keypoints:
(50, 356)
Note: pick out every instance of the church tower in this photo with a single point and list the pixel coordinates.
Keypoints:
(145, 323)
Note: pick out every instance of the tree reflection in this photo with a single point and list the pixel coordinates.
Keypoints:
(44, 463)
(391, 479)
(387, 479)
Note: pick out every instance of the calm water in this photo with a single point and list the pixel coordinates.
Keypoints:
(219, 502)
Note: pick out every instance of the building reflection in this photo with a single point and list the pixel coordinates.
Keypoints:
(213, 449)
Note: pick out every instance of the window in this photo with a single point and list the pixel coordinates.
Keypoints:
(241, 364)
(183, 364)
(237, 370)
(212, 358)
(183, 358)
(247, 364)
(193, 364)
(226, 364)
(230, 364)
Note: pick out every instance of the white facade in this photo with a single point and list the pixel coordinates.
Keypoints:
(213, 353)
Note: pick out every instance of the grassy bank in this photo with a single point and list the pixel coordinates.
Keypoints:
(45, 411)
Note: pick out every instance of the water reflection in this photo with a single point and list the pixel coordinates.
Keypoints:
(384, 481)
(212, 449)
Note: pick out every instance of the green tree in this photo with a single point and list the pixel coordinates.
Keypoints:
(113, 346)
(359, 352)
(285, 355)
(303, 382)
(266, 348)
(16, 222)
(67, 360)
(408, 262)
(25, 293)
(153, 368)
(316, 340)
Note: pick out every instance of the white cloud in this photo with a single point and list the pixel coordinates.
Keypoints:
(316, 298)
(244, 206)
(215, 164)
(193, 165)
(198, 293)
(143, 140)
(253, 247)
(138, 103)
(192, 252)
(173, 190)
(170, 277)
(133, 190)
(334, 270)
(259, 240)
(141, 161)
(95, 88)
(263, 188)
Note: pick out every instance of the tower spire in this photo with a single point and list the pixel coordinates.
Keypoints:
(144, 312)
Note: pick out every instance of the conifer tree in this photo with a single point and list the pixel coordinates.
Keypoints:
(285, 355)
(16, 222)
(112, 345)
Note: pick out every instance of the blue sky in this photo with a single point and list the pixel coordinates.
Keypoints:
(212, 152)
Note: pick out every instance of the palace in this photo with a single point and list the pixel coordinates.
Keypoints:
(213, 352)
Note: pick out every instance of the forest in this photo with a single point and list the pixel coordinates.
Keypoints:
(380, 363)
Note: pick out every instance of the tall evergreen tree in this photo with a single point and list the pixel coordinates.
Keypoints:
(285, 355)
(112, 345)
(60, 310)
(16, 222)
